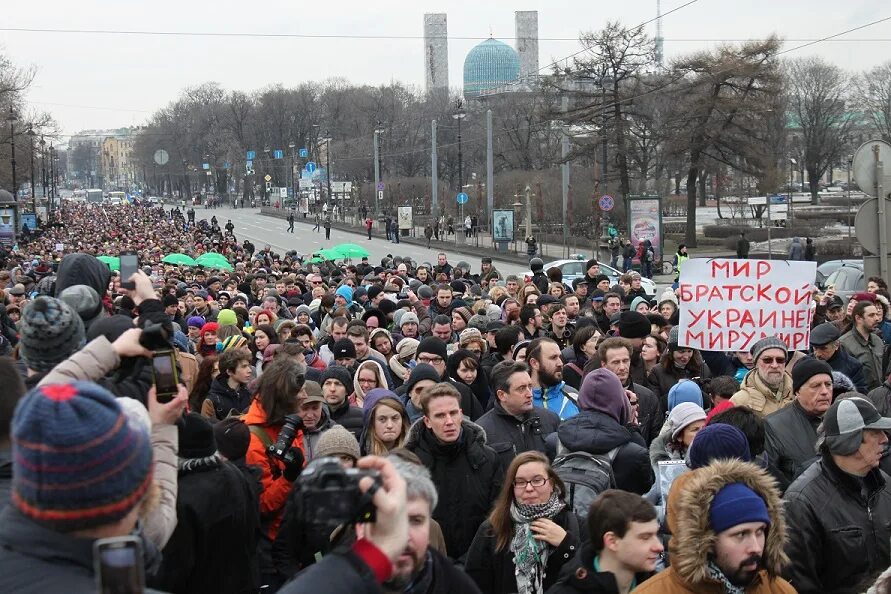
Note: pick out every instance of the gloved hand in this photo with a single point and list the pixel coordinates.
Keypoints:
(293, 464)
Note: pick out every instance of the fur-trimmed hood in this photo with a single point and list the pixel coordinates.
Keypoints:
(693, 539)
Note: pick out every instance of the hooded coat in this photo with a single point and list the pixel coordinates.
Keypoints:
(467, 476)
(83, 269)
(480, 385)
(694, 540)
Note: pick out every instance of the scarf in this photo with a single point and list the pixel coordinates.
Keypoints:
(531, 555)
(715, 573)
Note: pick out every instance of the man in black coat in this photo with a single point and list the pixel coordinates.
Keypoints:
(791, 432)
(824, 342)
(214, 546)
(513, 425)
(337, 385)
(466, 471)
(228, 391)
(434, 352)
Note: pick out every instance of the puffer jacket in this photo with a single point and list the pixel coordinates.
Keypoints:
(837, 537)
(691, 545)
(598, 433)
(468, 477)
(790, 442)
(754, 395)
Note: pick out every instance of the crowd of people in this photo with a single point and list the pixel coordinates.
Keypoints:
(527, 435)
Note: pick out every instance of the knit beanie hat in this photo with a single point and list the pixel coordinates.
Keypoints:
(736, 504)
(78, 463)
(769, 342)
(637, 301)
(602, 391)
(339, 373)
(169, 300)
(195, 436)
(373, 291)
(227, 317)
(50, 333)
(337, 441)
(111, 327)
(408, 317)
(683, 415)
(302, 309)
(684, 391)
(232, 437)
(673, 338)
(807, 368)
(372, 398)
(478, 321)
(464, 312)
(195, 322)
(209, 327)
(422, 371)
(718, 441)
(232, 343)
(346, 292)
(633, 325)
(343, 349)
(433, 346)
(84, 300)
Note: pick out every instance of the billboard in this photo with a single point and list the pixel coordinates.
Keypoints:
(502, 225)
(645, 222)
(405, 217)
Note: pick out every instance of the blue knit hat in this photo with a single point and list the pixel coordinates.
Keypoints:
(718, 441)
(346, 292)
(684, 391)
(736, 504)
(77, 462)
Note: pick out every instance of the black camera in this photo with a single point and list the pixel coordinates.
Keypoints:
(330, 494)
(281, 449)
(155, 337)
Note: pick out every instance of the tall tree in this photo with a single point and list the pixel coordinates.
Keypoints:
(873, 98)
(817, 93)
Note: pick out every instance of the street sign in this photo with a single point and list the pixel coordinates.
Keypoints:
(227, 165)
(310, 167)
(268, 177)
(606, 203)
(380, 194)
(278, 154)
(249, 165)
(864, 168)
(205, 166)
(283, 192)
(380, 186)
(304, 153)
(161, 157)
(251, 155)
(462, 198)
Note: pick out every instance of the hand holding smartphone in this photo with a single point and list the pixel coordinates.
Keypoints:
(165, 376)
(118, 564)
(129, 267)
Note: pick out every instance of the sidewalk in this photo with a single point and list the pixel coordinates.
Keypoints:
(477, 247)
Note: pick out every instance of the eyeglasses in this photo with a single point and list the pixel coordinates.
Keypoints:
(772, 360)
(430, 360)
(537, 482)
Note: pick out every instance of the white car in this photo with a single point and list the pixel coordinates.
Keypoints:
(573, 269)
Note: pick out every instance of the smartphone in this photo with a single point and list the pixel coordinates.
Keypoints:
(165, 375)
(129, 267)
(118, 565)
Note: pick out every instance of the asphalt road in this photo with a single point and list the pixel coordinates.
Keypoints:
(262, 230)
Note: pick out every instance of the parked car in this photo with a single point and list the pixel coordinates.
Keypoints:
(847, 279)
(827, 268)
(573, 269)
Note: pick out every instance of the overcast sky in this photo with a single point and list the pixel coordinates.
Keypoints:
(92, 80)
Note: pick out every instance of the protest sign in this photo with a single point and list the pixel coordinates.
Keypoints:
(728, 305)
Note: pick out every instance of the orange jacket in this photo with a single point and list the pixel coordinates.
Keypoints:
(276, 487)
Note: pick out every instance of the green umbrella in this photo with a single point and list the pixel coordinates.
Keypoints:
(113, 262)
(213, 260)
(351, 250)
(179, 260)
(331, 254)
(211, 255)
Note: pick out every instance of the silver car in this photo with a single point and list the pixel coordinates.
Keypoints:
(573, 269)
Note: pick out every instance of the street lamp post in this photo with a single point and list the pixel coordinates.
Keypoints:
(292, 146)
(11, 118)
(460, 115)
(268, 168)
(328, 165)
(850, 202)
(52, 176)
(792, 163)
(378, 130)
(33, 187)
(528, 211)
(42, 167)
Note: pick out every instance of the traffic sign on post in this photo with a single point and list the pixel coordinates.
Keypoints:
(304, 153)
(278, 154)
(606, 203)
(268, 177)
(380, 186)
(310, 167)
(462, 198)
(251, 155)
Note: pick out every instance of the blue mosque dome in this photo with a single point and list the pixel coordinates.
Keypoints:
(490, 65)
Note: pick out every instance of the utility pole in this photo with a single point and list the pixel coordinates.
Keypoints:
(12, 118)
(378, 193)
(528, 211)
(564, 154)
(434, 175)
(33, 187)
(328, 164)
(490, 176)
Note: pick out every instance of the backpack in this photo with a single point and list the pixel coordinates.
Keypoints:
(586, 476)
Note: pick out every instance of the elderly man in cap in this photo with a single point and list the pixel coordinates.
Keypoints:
(826, 346)
(865, 345)
(791, 432)
(839, 509)
(768, 386)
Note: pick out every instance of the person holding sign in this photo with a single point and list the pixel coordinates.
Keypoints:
(768, 386)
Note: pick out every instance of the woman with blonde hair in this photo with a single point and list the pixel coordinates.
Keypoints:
(530, 533)
(386, 423)
(369, 375)
(526, 292)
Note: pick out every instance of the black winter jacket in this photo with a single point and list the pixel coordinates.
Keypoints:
(598, 433)
(214, 546)
(493, 570)
(650, 416)
(337, 572)
(5, 476)
(790, 442)
(37, 560)
(509, 435)
(579, 576)
(225, 399)
(843, 362)
(661, 381)
(881, 398)
(836, 535)
(350, 417)
(468, 477)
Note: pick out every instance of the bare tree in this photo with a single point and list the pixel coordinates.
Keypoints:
(873, 98)
(817, 94)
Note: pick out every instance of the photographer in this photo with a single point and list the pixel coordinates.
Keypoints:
(273, 410)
